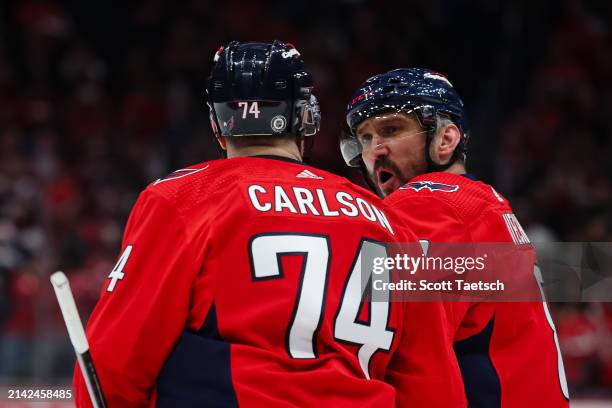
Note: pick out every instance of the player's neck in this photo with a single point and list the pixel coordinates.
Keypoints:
(456, 168)
(245, 151)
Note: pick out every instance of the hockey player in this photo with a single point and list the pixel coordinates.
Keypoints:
(409, 134)
(240, 280)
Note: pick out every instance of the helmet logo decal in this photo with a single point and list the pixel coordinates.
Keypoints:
(440, 77)
(292, 52)
(229, 125)
(278, 123)
(361, 97)
(217, 54)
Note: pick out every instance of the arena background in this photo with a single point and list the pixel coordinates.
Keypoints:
(97, 99)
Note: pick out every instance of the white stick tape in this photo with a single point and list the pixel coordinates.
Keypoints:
(70, 312)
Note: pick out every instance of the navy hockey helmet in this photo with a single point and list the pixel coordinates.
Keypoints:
(422, 91)
(258, 89)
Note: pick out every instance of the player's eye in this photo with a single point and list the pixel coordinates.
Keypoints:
(390, 130)
(365, 139)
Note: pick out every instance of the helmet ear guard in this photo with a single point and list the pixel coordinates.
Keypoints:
(308, 115)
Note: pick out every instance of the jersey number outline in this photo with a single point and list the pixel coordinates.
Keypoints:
(265, 252)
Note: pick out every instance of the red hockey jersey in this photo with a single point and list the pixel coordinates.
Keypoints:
(507, 351)
(239, 283)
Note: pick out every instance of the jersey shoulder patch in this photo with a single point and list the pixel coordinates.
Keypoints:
(430, 185)
(177, 174)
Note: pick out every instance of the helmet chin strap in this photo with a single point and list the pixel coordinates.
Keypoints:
(303, 150)
(222, 153)
(305, 145)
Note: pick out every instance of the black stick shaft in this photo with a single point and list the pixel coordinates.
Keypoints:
(91, 380)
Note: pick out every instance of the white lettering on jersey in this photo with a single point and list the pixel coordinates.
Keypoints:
(302, 200)
(281, 200)
(305, 199)
(258, 206)
(382, 218)
(365, 209)
(324, 207)
(345, 199)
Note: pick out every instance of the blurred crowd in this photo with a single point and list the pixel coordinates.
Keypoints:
(98, 101)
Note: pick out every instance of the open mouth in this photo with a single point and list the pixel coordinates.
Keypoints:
(384, 176)
(387, 178)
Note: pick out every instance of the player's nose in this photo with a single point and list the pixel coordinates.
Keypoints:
(379, 149)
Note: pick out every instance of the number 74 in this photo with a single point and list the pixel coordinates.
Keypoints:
(265, 252)
(253, 109)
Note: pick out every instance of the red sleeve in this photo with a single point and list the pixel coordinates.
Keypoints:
(434, 220)
(136, 323)
(424, 369)
(523, 333)
(530, 366)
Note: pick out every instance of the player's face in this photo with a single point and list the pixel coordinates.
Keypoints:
(393, 149)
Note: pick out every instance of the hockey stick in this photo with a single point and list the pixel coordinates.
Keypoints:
(77, 337)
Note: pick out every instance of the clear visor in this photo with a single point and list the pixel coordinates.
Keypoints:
(350, 149)
(353, 145)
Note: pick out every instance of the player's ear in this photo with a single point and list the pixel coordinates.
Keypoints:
(448, 138)
(222, 142)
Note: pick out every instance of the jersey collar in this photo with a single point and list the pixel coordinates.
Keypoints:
(274, 157)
